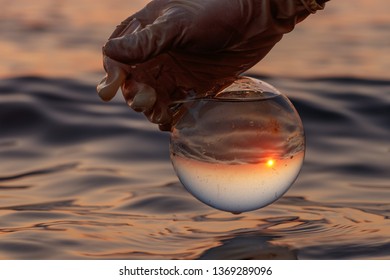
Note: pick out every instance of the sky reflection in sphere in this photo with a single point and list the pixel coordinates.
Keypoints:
(239, 150)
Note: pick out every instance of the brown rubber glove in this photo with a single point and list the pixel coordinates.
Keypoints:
(175, 48)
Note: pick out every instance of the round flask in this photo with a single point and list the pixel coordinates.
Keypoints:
(239, 149)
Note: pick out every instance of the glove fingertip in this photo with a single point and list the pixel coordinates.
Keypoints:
(145, 99)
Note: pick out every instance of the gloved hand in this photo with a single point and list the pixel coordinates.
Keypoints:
(175, 48)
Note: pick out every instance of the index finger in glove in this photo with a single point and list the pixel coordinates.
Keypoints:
(153, 39)
(116, 72)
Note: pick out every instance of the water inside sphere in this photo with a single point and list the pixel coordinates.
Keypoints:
(240, 149)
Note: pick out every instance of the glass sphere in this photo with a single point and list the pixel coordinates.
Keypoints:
(240, 149)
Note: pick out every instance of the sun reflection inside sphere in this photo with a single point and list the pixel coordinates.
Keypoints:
(270, 162)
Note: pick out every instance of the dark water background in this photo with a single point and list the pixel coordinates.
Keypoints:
(83, 179)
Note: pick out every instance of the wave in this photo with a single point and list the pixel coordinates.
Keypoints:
(82, 174)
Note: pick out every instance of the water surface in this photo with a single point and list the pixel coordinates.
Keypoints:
(83, 179)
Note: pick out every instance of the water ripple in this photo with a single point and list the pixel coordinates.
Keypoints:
(82, 179)
(38, 172)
